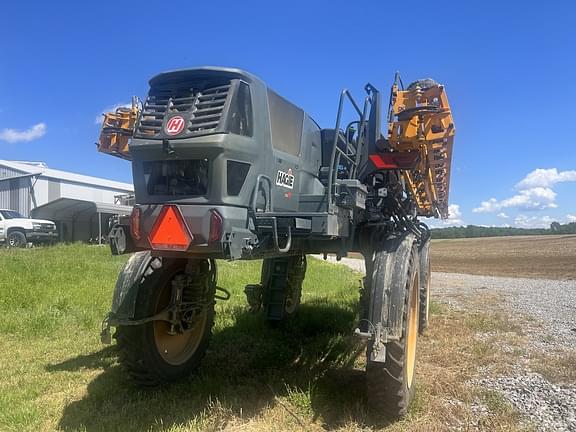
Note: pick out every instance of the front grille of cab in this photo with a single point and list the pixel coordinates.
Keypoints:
(203, 109)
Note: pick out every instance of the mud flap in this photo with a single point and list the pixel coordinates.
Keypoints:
(126, 291)
(129, 280)
(388, 265)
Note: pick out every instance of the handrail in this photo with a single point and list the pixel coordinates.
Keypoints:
(288, 243)
(269, 203)
(337, 152)
(342, 153)
(361, 135)
(269, 208)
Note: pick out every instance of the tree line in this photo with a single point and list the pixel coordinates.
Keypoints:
(482, 231)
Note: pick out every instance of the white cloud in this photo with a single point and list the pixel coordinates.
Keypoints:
(546, 178)
(454, 218)
(503, 215)
(538, 198)
(454, 214)
(534, 192)
(100, 118)
(523, 221)
(14, 135)
(571, 218)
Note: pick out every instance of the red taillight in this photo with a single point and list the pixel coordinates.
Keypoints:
(398, 160)
(135, 223)
(170, 231)
(216, 223)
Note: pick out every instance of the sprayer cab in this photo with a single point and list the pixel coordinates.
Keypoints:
(220, 146)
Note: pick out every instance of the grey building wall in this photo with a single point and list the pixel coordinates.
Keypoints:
(53, 189)
(15, 192)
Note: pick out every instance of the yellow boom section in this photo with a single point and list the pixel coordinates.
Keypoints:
(117, 130)
(421, 121)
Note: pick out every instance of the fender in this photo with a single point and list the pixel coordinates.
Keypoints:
(389, 267)
(140, 265)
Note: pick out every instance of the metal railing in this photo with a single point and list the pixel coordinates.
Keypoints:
(353, 150)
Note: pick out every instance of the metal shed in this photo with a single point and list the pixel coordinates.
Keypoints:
(31, 188)
(80, 220)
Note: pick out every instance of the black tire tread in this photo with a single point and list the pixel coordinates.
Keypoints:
(424, 275)
(388, 393)
(134, 343)
(424, 83)
(20, 233)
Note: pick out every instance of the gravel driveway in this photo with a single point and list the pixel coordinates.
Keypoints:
(552, 303)
(549, 307)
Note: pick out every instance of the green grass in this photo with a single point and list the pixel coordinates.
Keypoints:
(55, 374)
(305, 375)
(481, 322)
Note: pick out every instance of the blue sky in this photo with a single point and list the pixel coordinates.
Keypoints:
(509, 69)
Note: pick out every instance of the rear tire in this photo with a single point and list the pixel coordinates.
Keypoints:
(17, 239)
(148, 352)
(391, 385)
(425, 275)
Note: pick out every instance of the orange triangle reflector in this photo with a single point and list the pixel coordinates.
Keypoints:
(170, 230)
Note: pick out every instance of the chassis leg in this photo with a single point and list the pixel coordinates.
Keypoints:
(280, 288)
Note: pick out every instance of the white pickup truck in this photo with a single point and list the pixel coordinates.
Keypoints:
(18, 231)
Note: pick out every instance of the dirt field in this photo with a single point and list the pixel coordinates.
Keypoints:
(550, 257)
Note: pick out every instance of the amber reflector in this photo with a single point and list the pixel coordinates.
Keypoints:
(170, 231)
(216, 223)
(135, 223)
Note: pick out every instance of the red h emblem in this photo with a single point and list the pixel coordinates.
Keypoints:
(175, 125)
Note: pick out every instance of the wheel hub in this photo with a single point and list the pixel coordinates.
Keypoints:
(177, 348)
(184, 298)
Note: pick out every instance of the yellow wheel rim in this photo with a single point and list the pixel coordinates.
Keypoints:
(176, 349)
(429, 275)
(412, 330)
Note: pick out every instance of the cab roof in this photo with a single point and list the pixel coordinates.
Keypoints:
(203, 71)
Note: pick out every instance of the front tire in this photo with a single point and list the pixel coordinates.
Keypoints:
(391, 385)
(152, 353)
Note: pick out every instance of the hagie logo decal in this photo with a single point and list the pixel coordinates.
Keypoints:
(175, 125)
(285, 179)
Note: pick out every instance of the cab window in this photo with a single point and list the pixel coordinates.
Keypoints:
(285, 123)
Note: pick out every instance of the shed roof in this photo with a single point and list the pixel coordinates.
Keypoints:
(63, 208)
(39, 167)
